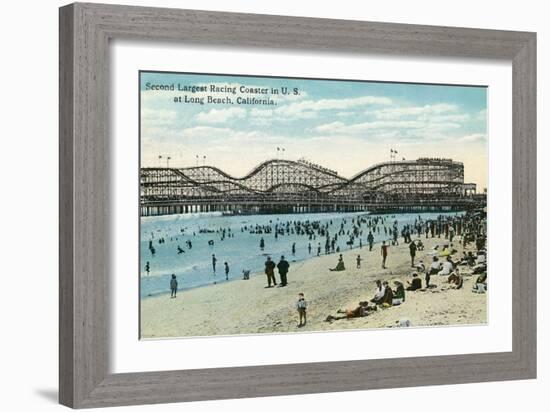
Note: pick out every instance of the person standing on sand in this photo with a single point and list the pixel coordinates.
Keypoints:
(226, 268)
(282, 267)
(214, 260)
(262, 244)
(309, 248)
(173, 286)
(269, 271)
(301, 306)
(370, 239)
(358, 259)
(451, 233)
(412, 250)
(384, 252)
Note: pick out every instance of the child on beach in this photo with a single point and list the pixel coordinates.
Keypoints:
(301, 306)
(173, 286)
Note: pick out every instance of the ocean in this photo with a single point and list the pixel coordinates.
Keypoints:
(239, 248)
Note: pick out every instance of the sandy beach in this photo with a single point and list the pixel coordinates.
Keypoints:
(246, 306)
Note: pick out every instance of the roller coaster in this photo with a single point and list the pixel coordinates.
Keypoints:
(287, 186)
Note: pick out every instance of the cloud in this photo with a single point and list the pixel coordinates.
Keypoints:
(220, 115)
(151, 99)
(416, 111)
(481, 115)
(199, 135)
(405, 123)
(261, 112)
(225, 133)
(475, 137)
(342, 128)
(157, 117)
(452, 118)
(410, 131)
(308, 109)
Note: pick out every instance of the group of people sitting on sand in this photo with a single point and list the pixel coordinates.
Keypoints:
(384, 297)
(445, 263)
(445, 267)
(442, 265)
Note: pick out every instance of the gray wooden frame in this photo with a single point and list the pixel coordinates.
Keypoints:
(85, 31)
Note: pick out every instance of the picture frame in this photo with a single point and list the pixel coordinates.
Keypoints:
(84, 358)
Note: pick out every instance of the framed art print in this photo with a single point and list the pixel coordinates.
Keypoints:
(266, 205)
(303, 184)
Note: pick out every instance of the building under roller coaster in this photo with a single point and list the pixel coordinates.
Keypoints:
(286, 186)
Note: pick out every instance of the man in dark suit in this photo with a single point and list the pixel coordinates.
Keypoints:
(282, 267)
(269, 268)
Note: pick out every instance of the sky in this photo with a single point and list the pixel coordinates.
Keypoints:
(346, 126)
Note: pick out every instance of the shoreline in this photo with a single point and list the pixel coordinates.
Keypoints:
(240, 249)
(222, 280)
(247, 307)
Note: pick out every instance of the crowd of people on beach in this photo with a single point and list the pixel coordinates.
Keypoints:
(334, 234)
(445, 262)
(444, 259)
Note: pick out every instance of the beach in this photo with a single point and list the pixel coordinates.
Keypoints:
(248, 307)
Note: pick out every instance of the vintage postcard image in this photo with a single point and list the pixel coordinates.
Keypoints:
(290, 205)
